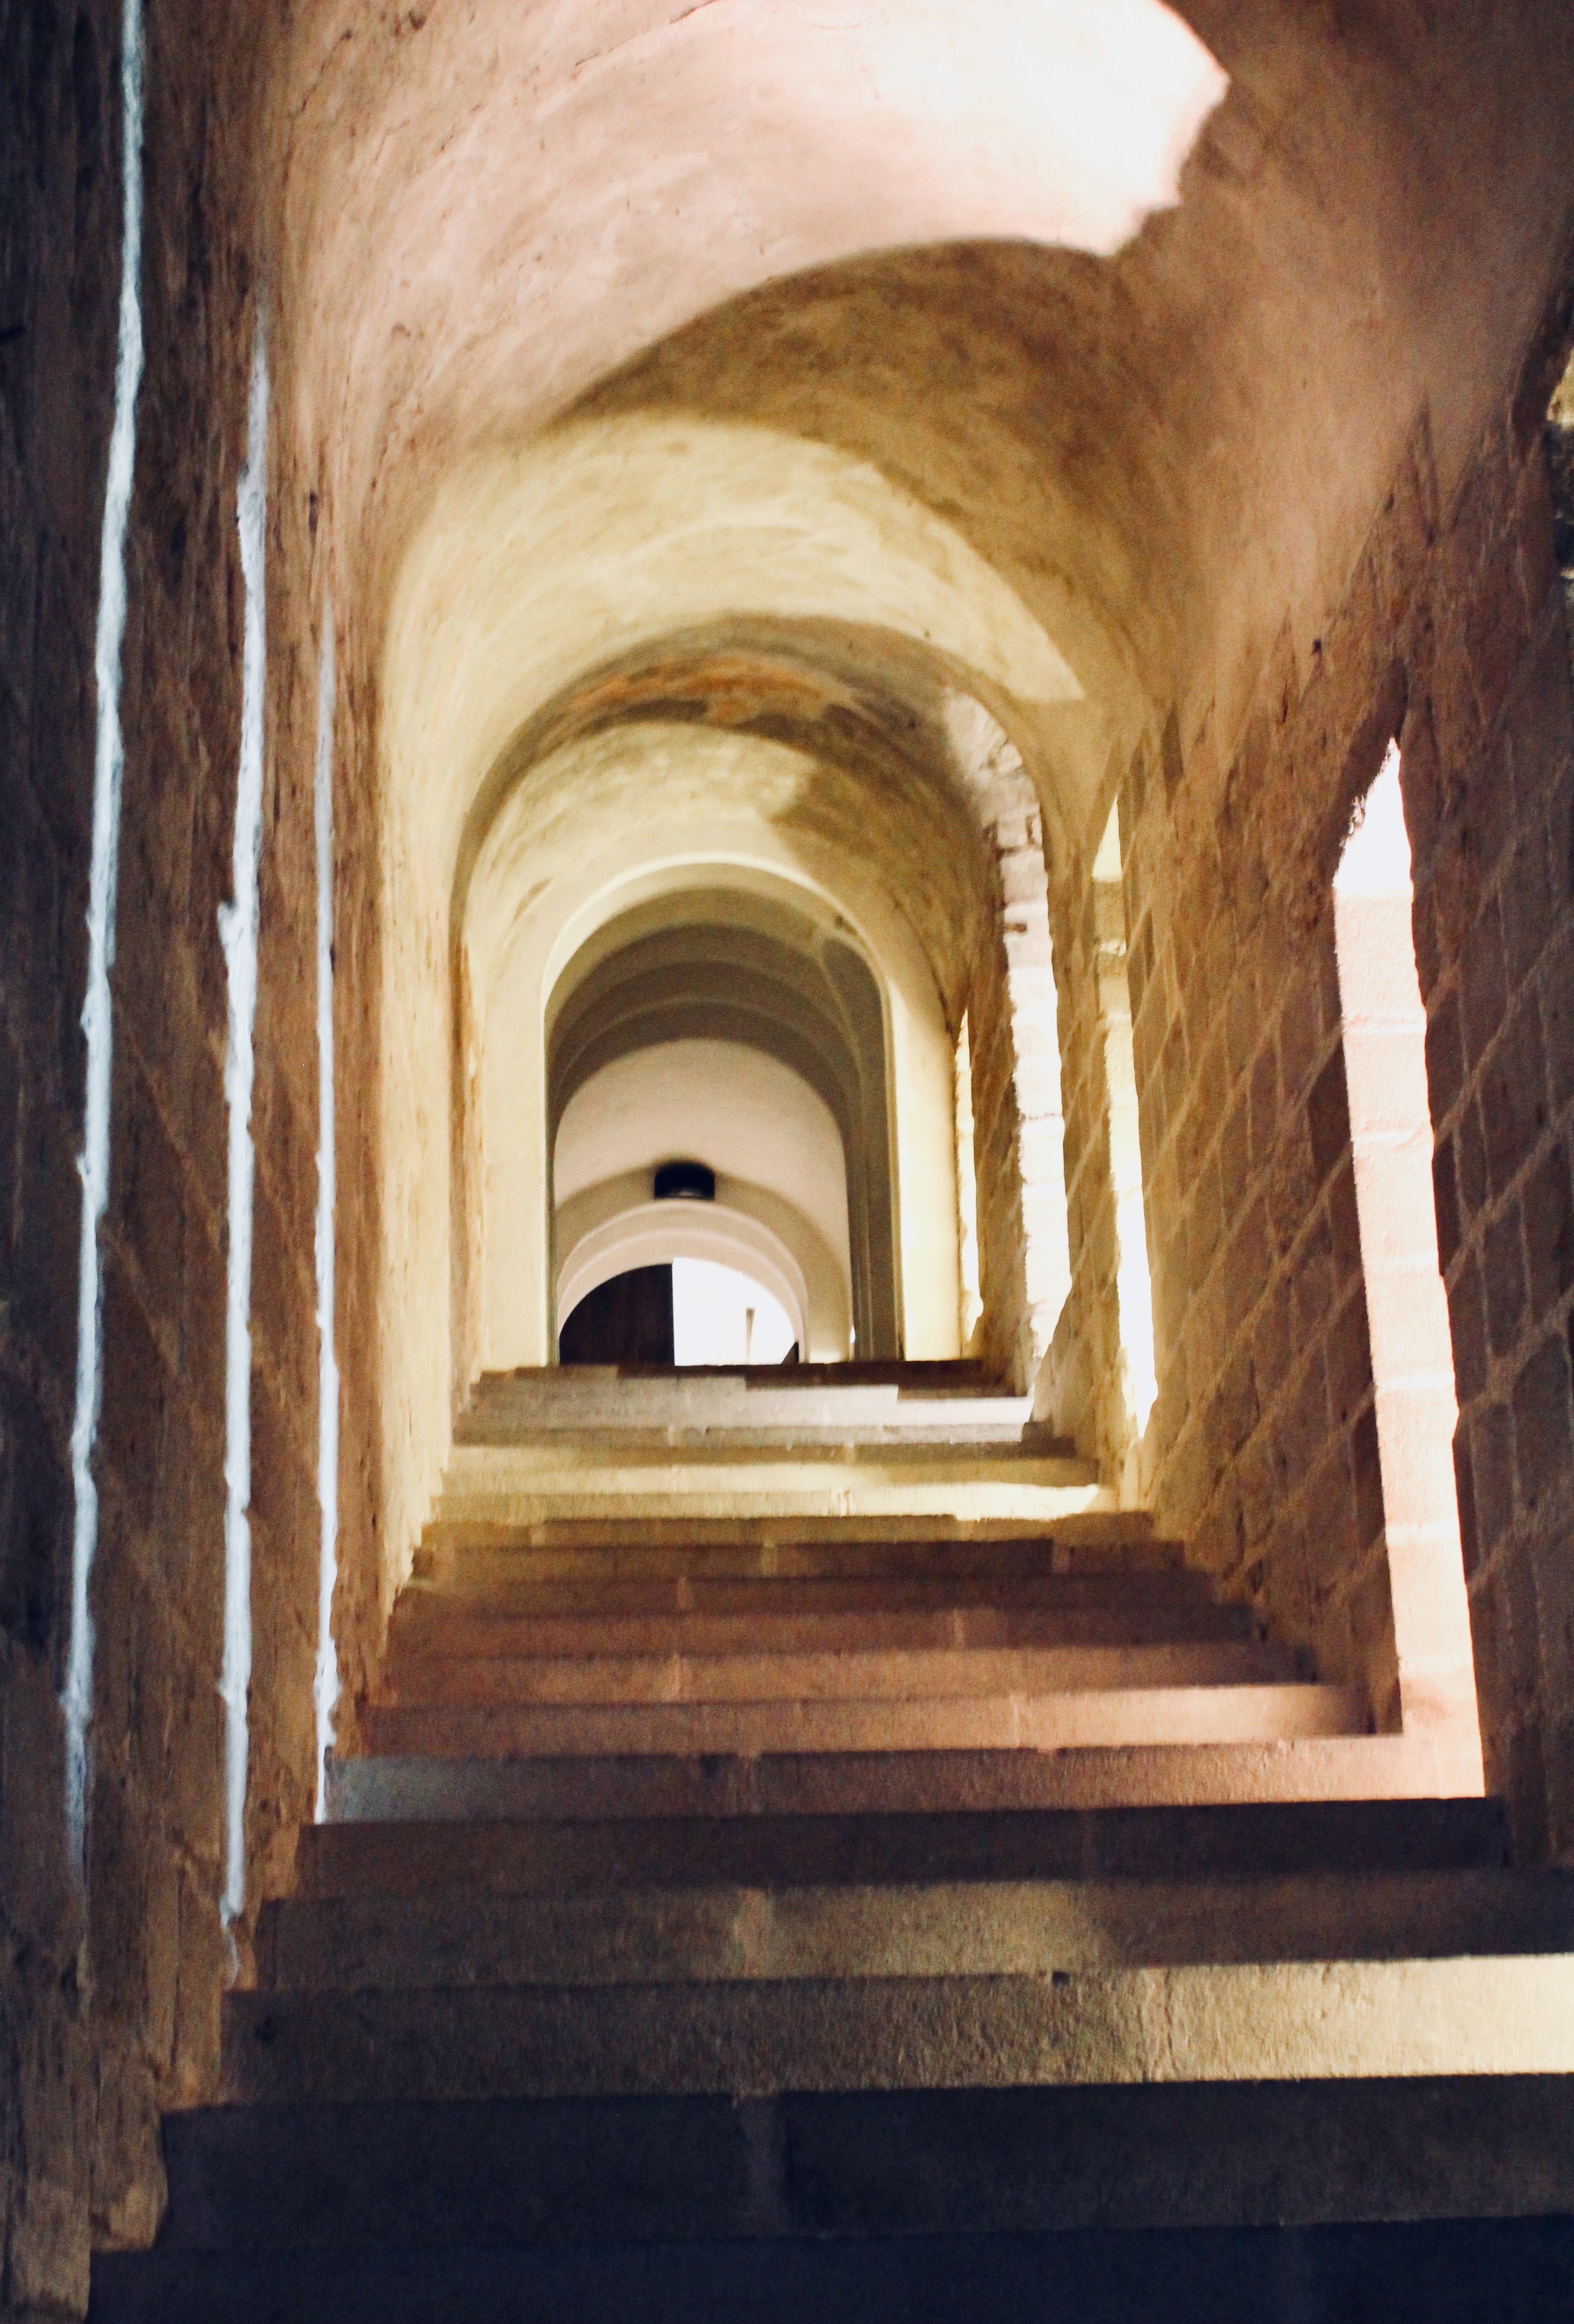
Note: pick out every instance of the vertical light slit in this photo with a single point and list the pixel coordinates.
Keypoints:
(237, 930)
(327, 1687)
(1134, 1289)
(970, 1296)
(109, 759)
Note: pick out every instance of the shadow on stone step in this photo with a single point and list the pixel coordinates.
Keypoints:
(1455, 2272)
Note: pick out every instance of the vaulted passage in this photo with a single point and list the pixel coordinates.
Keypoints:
(786, 1417)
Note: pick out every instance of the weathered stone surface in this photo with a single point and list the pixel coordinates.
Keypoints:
(58, 175)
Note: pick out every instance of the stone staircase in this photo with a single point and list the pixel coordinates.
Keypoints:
(804, 1825)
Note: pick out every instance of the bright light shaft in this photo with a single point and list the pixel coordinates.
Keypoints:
(237, 931)
(325, 1691)
(109, 765)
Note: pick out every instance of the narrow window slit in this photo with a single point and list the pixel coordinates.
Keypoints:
(971, 1290)
(109, 765)
(1133, 1285)
(1412, 1348)
(237, 930)
(326, 1688)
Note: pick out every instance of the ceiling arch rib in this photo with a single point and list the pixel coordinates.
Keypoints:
(556, 590)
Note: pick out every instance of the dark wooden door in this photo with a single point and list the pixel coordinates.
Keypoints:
(627, 1320)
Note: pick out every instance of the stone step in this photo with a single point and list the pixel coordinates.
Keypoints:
(481, 1558)
(712, 1463)
(592, 1397)
(329, 2180)
(1090, 1719)
(719, 1935)
(751, 1409)
(510, 1489)
(397, 1788)
(644, 1388)
(834, 1673)
(455, 1592)
(1312, 2020)
(982, 1432)
(1352, 1839)
(1447, 2270)
(1099, 1541)
(427, 1626)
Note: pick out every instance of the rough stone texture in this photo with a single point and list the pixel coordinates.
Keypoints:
(1084, 1390)
(157, 1954)
(1018, 1134)
(59, 268)
(148, 1978)
(285, 1518)
(1450, 634)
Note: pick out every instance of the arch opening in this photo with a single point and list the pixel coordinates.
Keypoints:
(703, 989)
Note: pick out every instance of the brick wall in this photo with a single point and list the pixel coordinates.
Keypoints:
(59, 283)
(96, 2040)
(1494, 925)
(157, 1956)
(1264, 1437)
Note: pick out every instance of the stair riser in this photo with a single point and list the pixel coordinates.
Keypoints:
(1409, 2274)
(1354, 1840)
(325, 2181)
(419, 1789)
(488, 1568)
(1109, 1544)
(715, 1461)
(1152, 1716)
(983, 1929)
(564, 1399)
(991, 1435)
(440, 1631)
(1297, 2021)
(765, 1600)
(893, 1676)
(611, 1496)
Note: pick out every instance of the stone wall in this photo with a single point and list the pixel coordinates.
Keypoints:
(1450, 635)
(156, 1831)
(1494, 833)
(1018, 1127)
(59, 283)
(99, 2035)
(285, 1522)
(1084, 1390)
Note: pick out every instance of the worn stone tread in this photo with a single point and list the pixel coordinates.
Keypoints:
(1349, 1838)
(1319, 2020)
(718, 1934)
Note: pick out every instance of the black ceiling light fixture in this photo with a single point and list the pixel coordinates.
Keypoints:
(685, 1182)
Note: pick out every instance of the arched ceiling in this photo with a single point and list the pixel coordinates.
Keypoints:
(694, 977)
(856, 802)
(1113, 318)
(633, 568)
